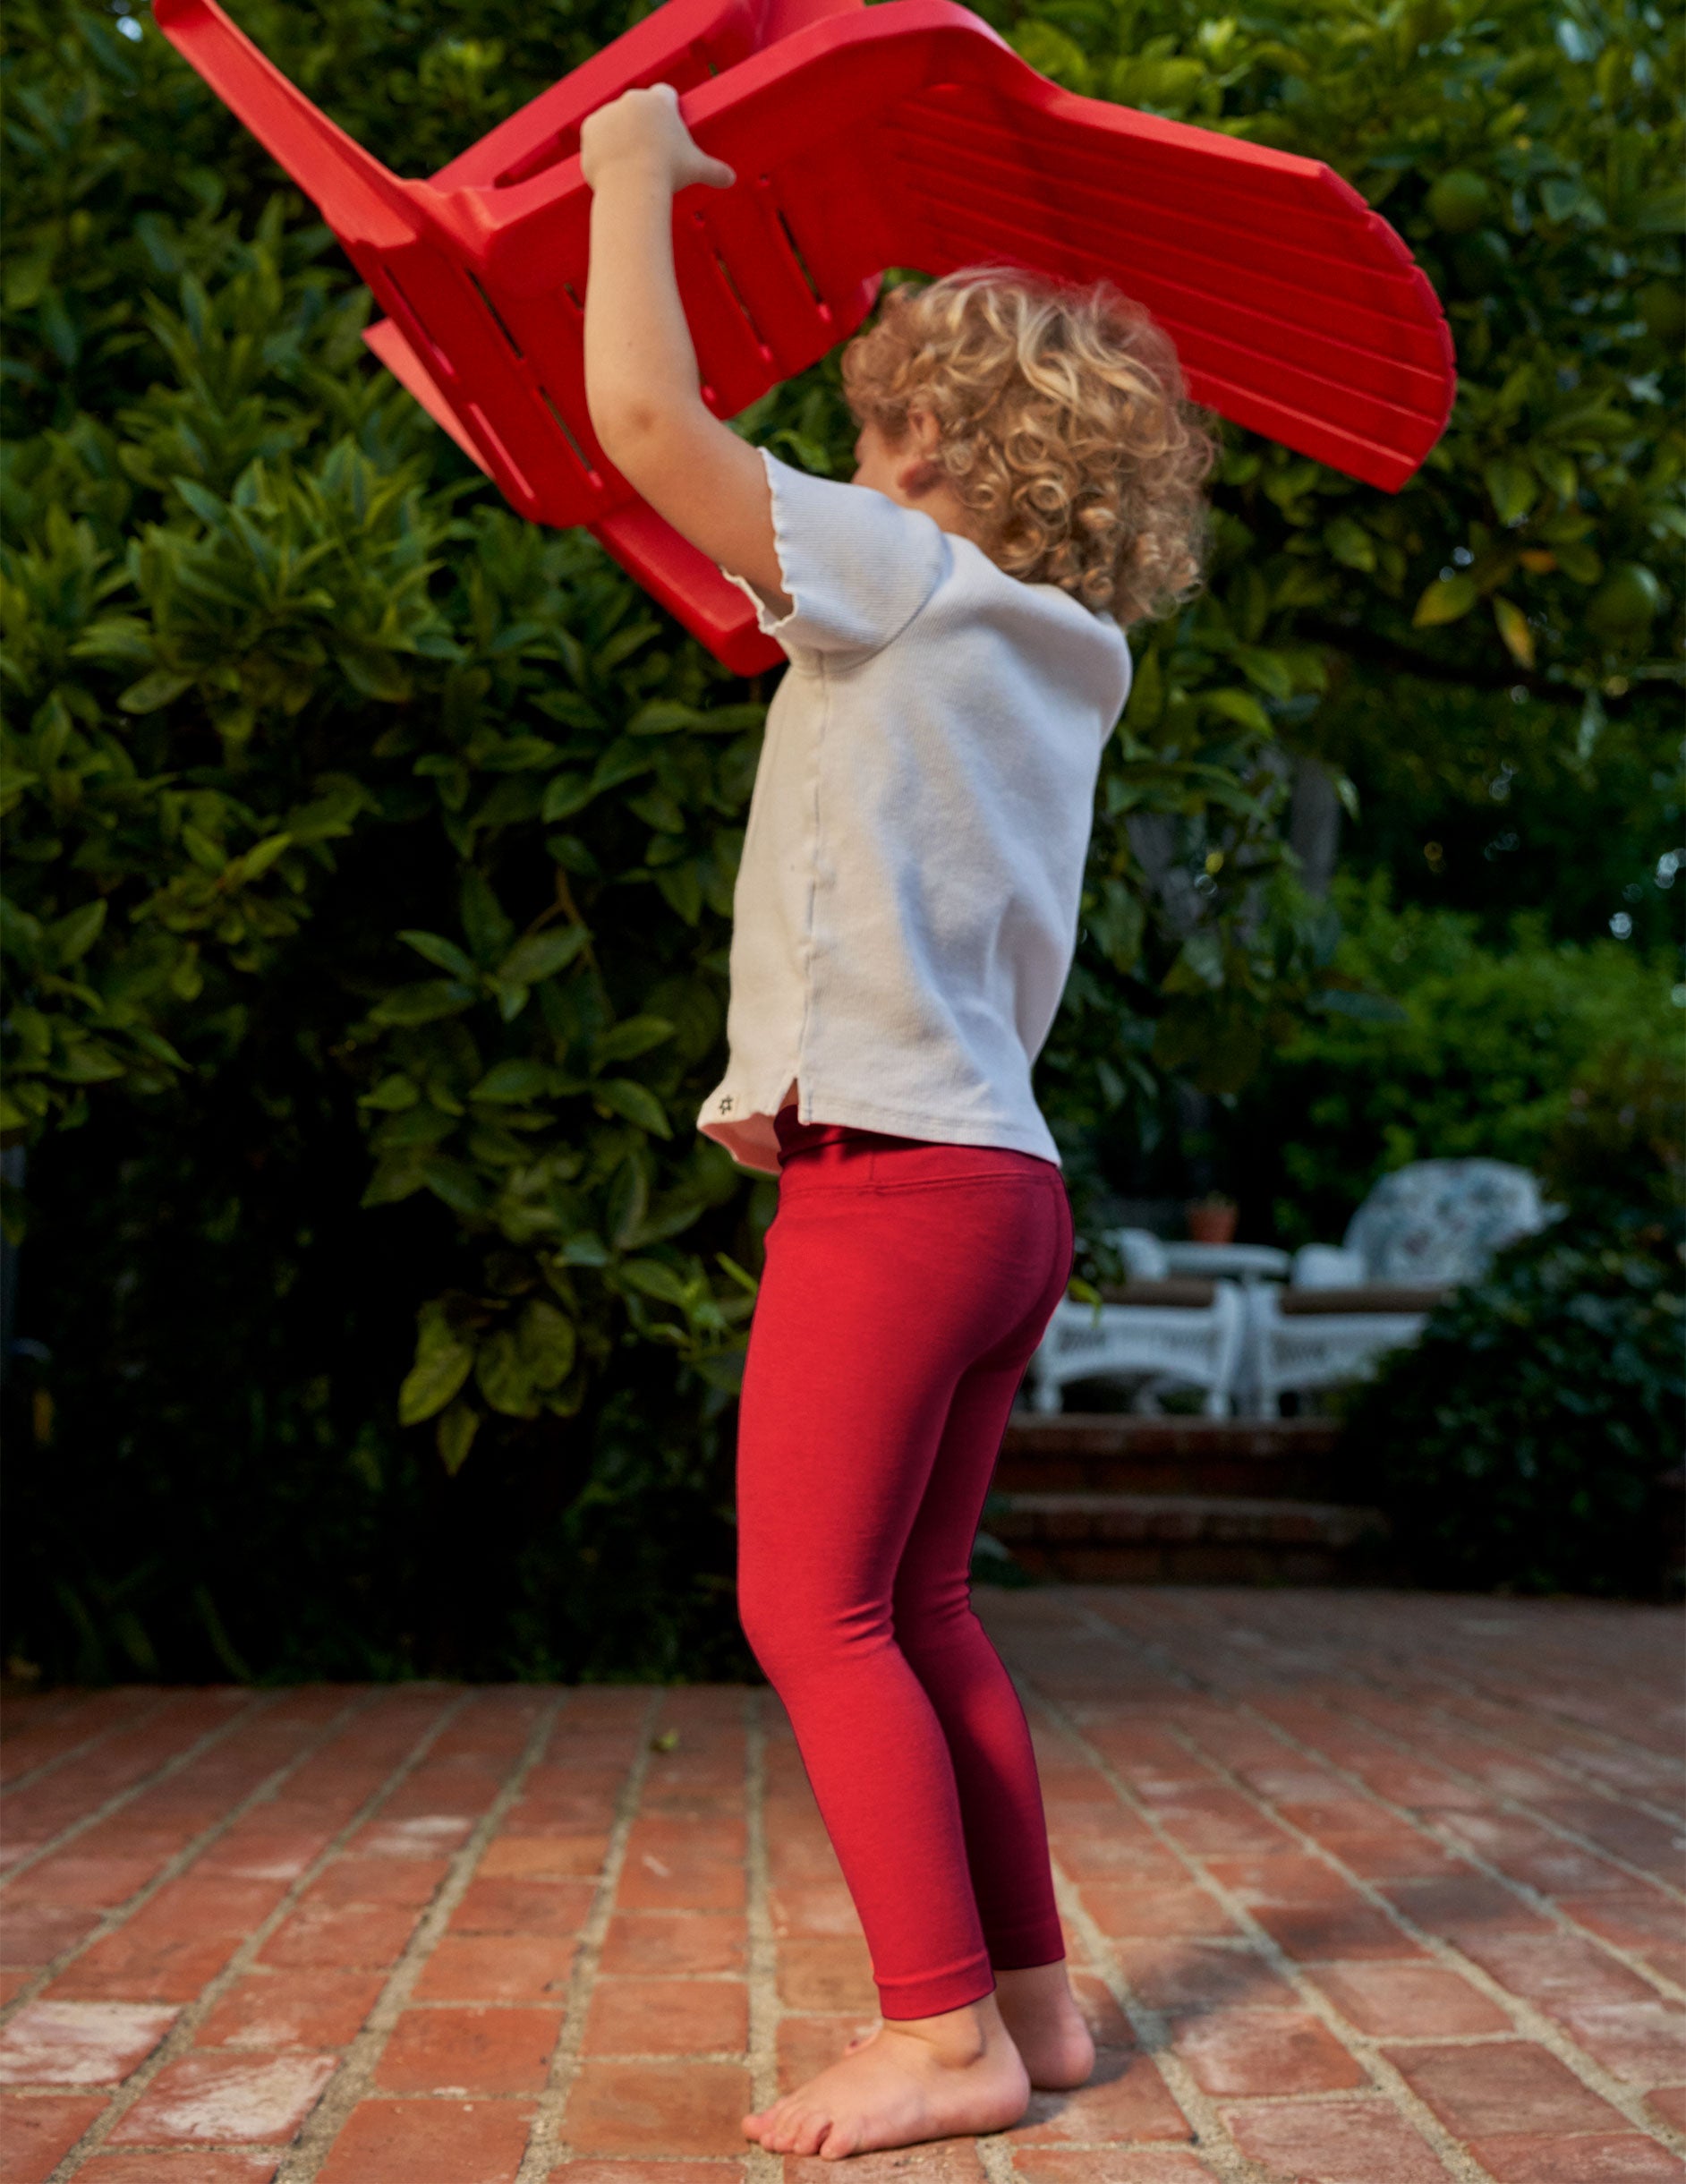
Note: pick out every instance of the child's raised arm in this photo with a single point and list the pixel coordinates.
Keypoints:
(641, 383)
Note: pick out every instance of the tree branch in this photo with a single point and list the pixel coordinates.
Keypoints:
(1376, 651)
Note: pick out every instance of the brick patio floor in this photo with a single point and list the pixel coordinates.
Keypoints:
(1363, 1888)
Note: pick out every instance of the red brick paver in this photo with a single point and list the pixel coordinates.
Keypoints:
(1363, 1888)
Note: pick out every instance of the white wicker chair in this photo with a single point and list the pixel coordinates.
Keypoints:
(1152, 1346)
(1423, 1230)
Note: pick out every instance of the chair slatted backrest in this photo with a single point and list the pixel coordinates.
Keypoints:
(905, 134)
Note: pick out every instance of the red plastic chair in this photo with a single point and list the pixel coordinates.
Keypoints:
(905, 134)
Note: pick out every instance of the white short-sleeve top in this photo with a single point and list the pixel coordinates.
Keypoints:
(906, 911)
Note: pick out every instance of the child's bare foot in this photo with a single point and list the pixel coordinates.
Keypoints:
(1040, 2011)
(914, 2078)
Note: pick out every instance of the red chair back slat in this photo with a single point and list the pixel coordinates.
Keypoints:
(904, 134)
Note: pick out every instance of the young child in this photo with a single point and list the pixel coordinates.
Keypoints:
(906, 916)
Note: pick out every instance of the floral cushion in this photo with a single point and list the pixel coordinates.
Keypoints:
(1441, 1221)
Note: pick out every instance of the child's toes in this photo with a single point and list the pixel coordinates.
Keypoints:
(810, 2135)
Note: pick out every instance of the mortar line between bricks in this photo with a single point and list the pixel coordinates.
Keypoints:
(309, 2149)
(173, 1868)
(545, 2145)
(1535, 1898)
(1507, 1802)
(179, 2037)
(31, 1776)
(1532, 1707)
(1384, 2078)
(1530, 1895)
(765, 2009)
(1210, 2137)
(1453, 1685)
(1151, 2026)
(1523, 1698)
(1386, 1678)
(258, 1704)
(1527, 2017)
(995, 2158)
(1489, 1734)
(1595, 1784)
(1519, 1808)
(1530, 2020)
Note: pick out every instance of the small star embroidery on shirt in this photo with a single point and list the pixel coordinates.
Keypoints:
(725, 1105)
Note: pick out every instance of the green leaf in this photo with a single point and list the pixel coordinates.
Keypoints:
(1146, 700)
(204, 852)
(513, 1082)
(70, 938)
(661, 717)
(628, 1203)
(204, 503)
(1518, 638)
(518, 755)
(423, 1003)
(632, 1037)
(1054, 54)
(636, 1103)
(502, 1376)
(541, 955)
(1349, 543)
(432, 1381)
(1240, 706)
(564, 795)
(90, 1063)
(651, 1277)
(681, 887)
(1199, 963)
(393, 1094)
(547, 1342)
(1580, 563)
(1663, 212)
(153, 691)
(257, 861)
(622, 761)
(456, 1184)
(392, 1181)
(489, 930)
(454, 1435)
(422, 1124)
(1512, 489)
(1267, 671)
(1447, 599)
(445, 953)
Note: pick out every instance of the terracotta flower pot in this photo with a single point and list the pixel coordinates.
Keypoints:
(1212, 1223)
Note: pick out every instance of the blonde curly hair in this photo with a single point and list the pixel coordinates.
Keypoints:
(1062, 428)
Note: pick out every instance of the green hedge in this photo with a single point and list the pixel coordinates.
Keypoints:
(1443, 1048)
(1524, 1442)
(369, 853)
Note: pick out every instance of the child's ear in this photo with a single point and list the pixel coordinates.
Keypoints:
(918, 477)
(920, 472)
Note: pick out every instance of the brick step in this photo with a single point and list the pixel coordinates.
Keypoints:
(1086, 1538)
(1254, 1459)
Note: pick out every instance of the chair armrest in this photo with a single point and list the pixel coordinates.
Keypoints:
(1328, 1265)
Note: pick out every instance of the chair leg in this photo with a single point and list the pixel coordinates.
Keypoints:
(1046, 1395)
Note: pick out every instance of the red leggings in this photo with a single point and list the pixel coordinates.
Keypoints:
(906, 1288)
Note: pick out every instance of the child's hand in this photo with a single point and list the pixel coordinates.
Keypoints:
(643, 128)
